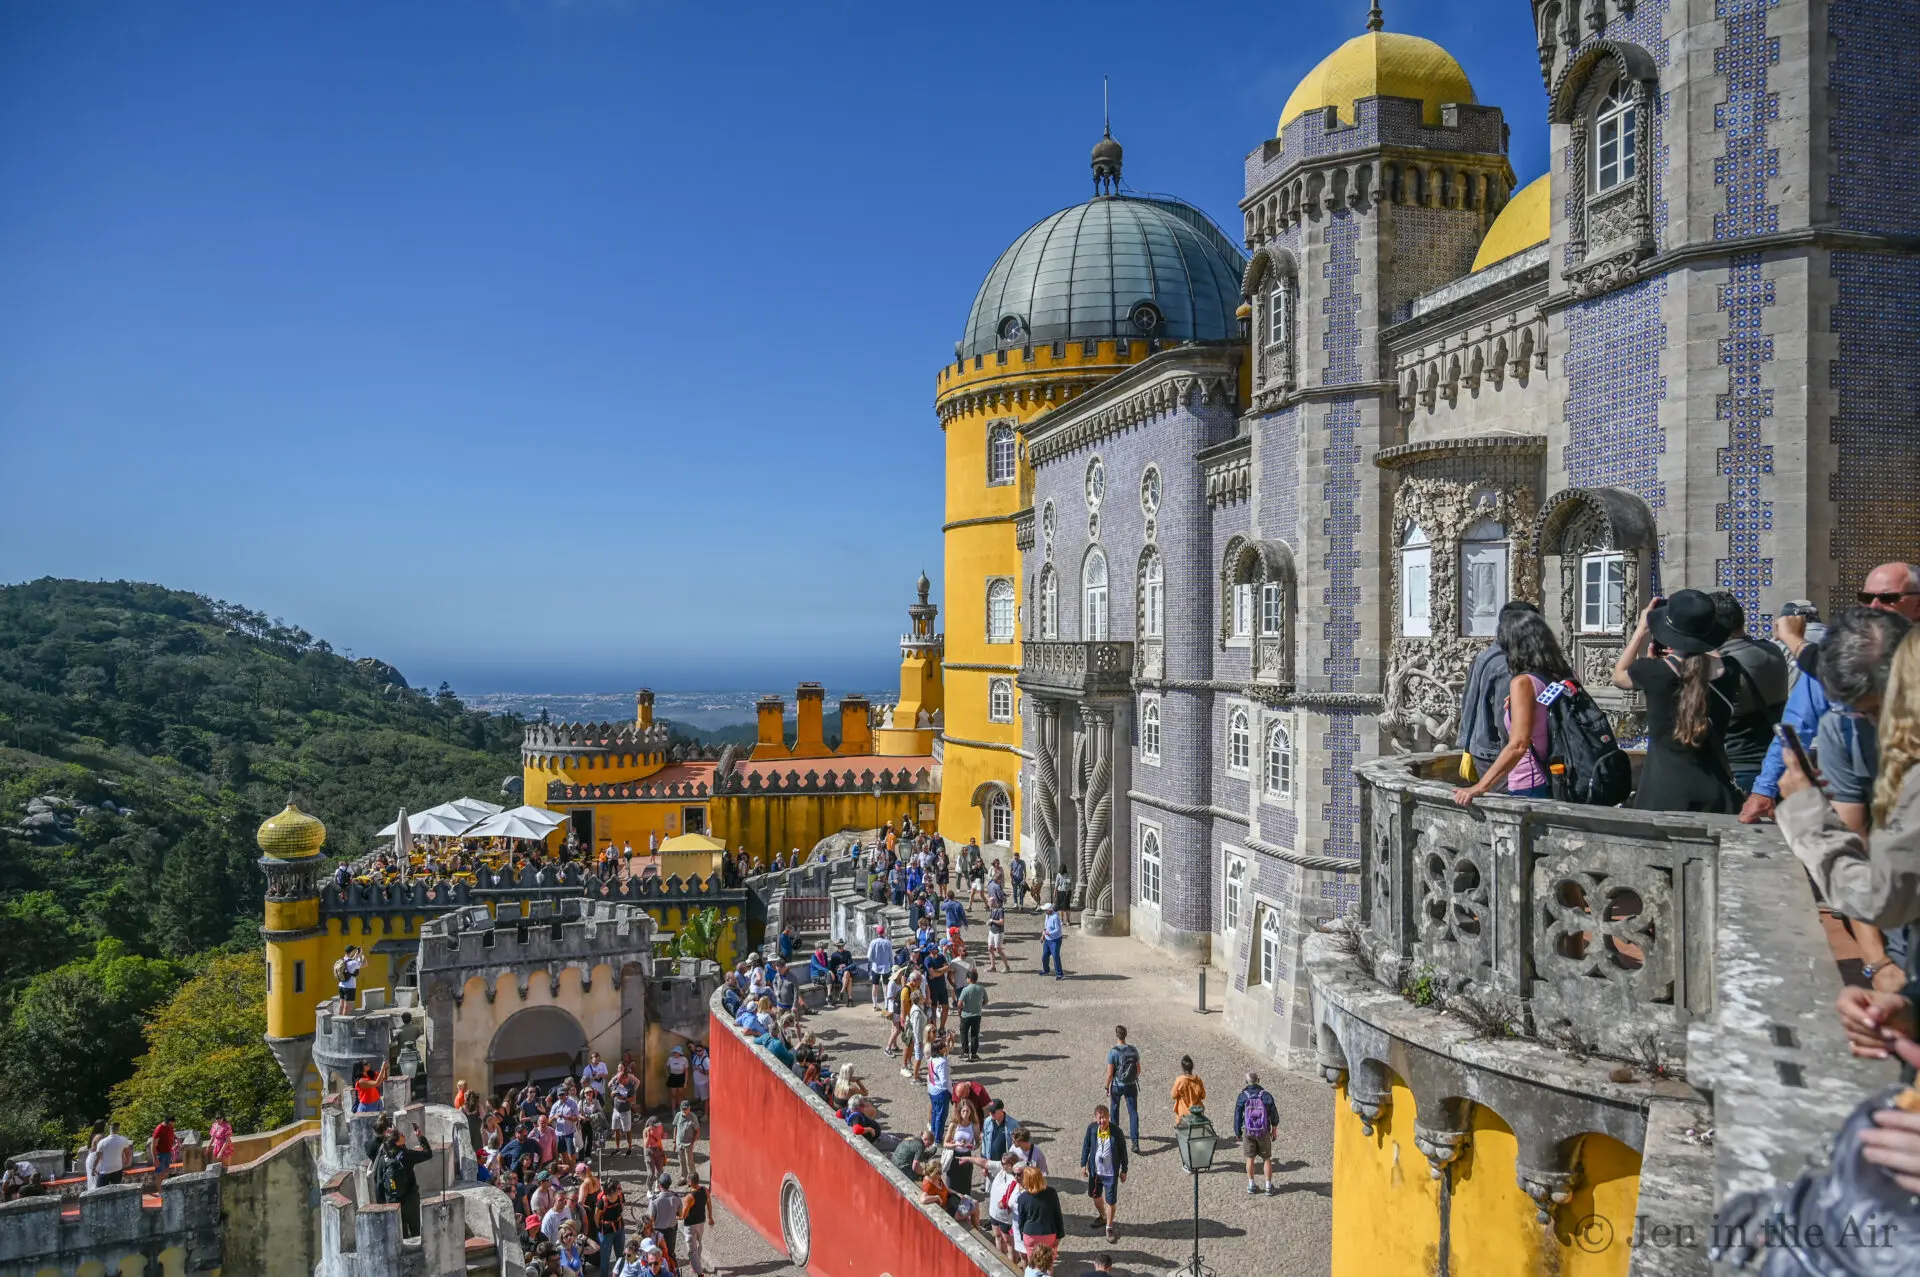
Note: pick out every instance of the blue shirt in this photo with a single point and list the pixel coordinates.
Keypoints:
(956, 913)
(1807, 704)
(1053, 928)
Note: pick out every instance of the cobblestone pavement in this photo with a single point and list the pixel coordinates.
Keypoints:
(733, 1249)
(1043, 1052)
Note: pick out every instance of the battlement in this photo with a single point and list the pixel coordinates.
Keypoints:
(736, 779)
(1464, 129)
(365, 1240)
(112, 1225)
(569, 930)
(604, 738)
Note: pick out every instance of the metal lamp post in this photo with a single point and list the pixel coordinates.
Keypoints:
(1196, 1139)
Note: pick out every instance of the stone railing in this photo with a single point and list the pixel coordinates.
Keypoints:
(1516, 950)
(1061, 668)
(437, 895)
(1594, 920)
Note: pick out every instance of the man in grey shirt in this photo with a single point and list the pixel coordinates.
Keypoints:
(1761, 671)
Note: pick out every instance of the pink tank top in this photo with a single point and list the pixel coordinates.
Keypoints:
(1530, 772)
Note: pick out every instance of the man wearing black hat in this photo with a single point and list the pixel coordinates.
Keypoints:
(1690, 697)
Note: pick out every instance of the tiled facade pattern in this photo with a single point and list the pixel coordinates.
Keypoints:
(1747, 460)
(1876, 324)
(1434, 246)
(1875, 116)
(1615, 386)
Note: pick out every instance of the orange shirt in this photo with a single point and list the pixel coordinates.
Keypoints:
(1187, 1092)
(656, 1136)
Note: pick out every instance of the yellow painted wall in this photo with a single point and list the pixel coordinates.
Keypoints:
(771, 824)
(1386, 1205)
(977, 552)
(1493, 1226)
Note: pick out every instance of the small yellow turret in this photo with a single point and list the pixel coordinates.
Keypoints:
(291, 834)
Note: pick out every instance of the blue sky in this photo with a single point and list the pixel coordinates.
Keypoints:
(544, 345)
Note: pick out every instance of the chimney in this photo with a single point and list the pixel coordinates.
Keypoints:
(809, 735)
(643, 708)
(773, 728)
(856, 726)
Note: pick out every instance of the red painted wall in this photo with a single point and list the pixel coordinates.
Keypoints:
(765, 1126)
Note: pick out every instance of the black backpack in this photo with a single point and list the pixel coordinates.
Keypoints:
(1587, 764)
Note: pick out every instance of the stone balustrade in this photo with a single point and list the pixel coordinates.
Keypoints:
(1075, 669)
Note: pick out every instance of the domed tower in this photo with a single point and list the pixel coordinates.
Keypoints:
(298, 974)
(1081, 296)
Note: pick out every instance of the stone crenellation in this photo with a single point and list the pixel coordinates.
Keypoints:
(113, 1228)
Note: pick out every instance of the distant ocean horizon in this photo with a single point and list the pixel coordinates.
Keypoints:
(705, 709)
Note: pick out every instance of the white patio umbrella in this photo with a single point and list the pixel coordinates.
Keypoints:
(531, 823)
(443, 821)
(403, 843)
(475, 806)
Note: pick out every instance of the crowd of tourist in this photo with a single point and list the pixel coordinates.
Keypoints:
(1816, 727)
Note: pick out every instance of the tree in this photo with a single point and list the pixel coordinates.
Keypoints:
(36, 935)
(699, 935)
(76, 1030)
(206, 1056)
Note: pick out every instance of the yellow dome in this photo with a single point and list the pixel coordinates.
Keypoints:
(1380, 64)
(291, 835)
(1525, 221)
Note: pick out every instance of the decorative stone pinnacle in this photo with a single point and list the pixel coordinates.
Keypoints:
(1376, 20)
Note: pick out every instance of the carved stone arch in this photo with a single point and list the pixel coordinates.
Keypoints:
(985, 796)
(1227, 562)
(1451, 384)
(1608, 232)
(1497, 366)
(1260, 564)
(1570, 90)
(1575, 523)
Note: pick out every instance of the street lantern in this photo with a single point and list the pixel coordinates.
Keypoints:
(1196, 1139)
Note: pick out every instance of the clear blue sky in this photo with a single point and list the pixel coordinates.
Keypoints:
(544, 345)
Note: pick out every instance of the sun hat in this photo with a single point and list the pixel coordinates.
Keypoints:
(1688, 623)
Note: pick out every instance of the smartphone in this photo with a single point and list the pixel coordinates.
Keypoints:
(1790, 741)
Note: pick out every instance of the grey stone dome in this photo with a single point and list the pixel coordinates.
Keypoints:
(1115, 266)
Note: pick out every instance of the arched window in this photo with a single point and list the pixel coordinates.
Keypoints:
(1150, 730)
(1234, 893)
(1239, 740)
(1049, 603)
(1000, 611)
(1416, 584)
(1279, 768)
(1279, 311)
(1001, 455)
(1153, 595)
(1483, 578)
(1616, 128)
(1000, 700)
(1093, 590)
(999, 819)
(1267, 965)
(1149, 865)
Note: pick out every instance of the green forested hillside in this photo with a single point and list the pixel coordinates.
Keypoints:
(144, 734)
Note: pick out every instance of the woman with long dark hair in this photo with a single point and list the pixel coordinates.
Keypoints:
(1534, 659)
(1690, 697)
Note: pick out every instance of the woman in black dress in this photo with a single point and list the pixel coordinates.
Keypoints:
(1690, 695)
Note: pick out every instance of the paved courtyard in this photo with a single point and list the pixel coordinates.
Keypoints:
(1043, 1052)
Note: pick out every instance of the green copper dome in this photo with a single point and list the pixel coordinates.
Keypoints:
(1115, 266)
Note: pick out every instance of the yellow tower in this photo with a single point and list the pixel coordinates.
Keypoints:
(909, 728)
(297, 974)
(1070, 304)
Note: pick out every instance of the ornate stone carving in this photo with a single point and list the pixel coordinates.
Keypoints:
(1093, 775)
(1046, 767)
(1603, 917)
(1456, 912)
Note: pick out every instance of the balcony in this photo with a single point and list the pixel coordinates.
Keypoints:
(1077, 671)
(1660, 977)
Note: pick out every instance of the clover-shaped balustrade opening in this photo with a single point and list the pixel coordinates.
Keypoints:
(1454, 891)
(1623, 904)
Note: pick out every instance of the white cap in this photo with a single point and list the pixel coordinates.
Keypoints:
(1048, 907)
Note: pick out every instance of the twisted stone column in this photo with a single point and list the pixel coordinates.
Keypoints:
(1046, 770)
(1094, 892)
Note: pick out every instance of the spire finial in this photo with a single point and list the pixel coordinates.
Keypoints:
(1376, 20)
(1106, 152)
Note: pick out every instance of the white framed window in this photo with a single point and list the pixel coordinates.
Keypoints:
(1416, 584)
(1233, 891)
(1616, 128)
(1153, 596)
(999, 819)
(1096, 483)
(1000, 700)
(1278, 314)
(1149, 864)
(1239, 739)
(1150, 491)
(1150, 729)
(1278, 769)
(1603, 593)
(1049, 603)
(1266, 959)
(1002, 456)
(1243, 609)
(1270, 609)
(1094, 627)
(1483, 578)
(1000, 610)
